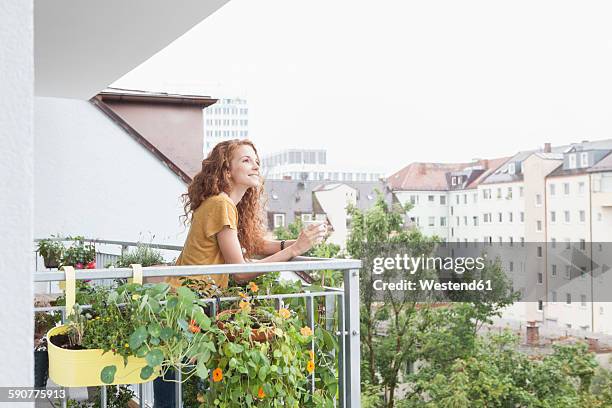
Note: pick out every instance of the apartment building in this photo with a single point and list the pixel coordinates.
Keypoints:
(550, 203)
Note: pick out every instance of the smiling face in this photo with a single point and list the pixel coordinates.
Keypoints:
(245, 167)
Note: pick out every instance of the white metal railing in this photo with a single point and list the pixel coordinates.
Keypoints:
(347, 301)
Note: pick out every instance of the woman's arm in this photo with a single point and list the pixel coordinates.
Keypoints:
(272, 246)
(231, 250)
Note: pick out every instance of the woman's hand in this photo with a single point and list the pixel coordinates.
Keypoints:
(310, 236)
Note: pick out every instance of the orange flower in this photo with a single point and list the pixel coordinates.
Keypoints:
(311, 354)
(306, 331)
(261, 394)
(244, 306)
(253, 286)
(217, 374)
(193, 327)
(284, 313)
(310, 366)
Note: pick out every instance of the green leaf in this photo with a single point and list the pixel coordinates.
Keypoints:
(166, 333)
(138, 337)
(142, 351)
(263, 371)
(107, 375)
(146, 372)
(154, 357)
(183, 324)
(172, 302)
(202, 371)
(186, 294)
(154, 329)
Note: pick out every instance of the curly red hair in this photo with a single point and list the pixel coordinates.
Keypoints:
(214, 179)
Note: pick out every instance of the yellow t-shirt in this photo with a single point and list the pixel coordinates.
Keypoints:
(201, 247)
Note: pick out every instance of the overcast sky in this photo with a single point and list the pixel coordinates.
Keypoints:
(383, 84)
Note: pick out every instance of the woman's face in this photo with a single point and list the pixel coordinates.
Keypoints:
(244, 167)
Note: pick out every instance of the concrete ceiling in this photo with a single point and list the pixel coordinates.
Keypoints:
(82, 46)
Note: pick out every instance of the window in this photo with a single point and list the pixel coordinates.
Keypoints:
(584, 159)
(443, 221)
(539, 251)
(452, 210)
(442, 200)
(457, 220)
(279, 220)
(500, 217)
(568, 245)
(431, 221)
(499, 193)
(511, 266)
(509, 193)
(512, 168)
(454, 181)
(566, 188)
(539, 226)
(457, 199)
(571, 161)
(553, 271)
(581, 188)
(475, 197)
(552, 189)
(486, 193)
(568, 298)
(538, 200)
(306, 217)
(511, 241)
(566, 216)
(582, 300)
(475, 220)
(522, 217)
(431, 198)
(553, 242)
(465, 199)
(540, 305)
(554, 296)
(582, 215)
(522, 241)
(521, 191)
(540, 278)
(568, 272)
(553, 217)
(510, 217)
(414, 199)
(582, 245)
(465, 220)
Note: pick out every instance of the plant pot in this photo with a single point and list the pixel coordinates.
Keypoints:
(82, 368)
(50, 262)
(257, 335)
(41, 368)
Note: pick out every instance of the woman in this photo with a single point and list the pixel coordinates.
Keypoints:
(224, 206)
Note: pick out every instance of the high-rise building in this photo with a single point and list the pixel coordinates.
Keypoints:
(309, 165)
(227, 119)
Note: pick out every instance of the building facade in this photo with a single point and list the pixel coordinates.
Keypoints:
(225, 120)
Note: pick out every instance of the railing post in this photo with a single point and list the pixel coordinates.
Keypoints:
(352, 357)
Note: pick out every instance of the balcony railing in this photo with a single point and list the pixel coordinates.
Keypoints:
(345, 298)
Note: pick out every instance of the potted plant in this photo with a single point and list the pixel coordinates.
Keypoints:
(92, 340)
(51, 250)
(43, 322)
(267, 373)
(169, 330)
(79, 254)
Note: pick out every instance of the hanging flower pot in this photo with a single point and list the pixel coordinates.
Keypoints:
(83, 368)
(262, 329)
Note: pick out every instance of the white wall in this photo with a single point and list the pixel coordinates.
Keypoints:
(16, 192)
(423, 209)
(93, 179)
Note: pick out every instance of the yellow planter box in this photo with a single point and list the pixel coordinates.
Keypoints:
(82, 368)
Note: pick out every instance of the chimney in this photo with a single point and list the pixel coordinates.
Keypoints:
(547, 148)
(533, 333)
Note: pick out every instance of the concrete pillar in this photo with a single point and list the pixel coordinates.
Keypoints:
(16, 193)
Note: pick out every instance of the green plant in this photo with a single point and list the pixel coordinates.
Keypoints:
(169, 329)
(143, 254)
(79, 254)
(51, 250)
